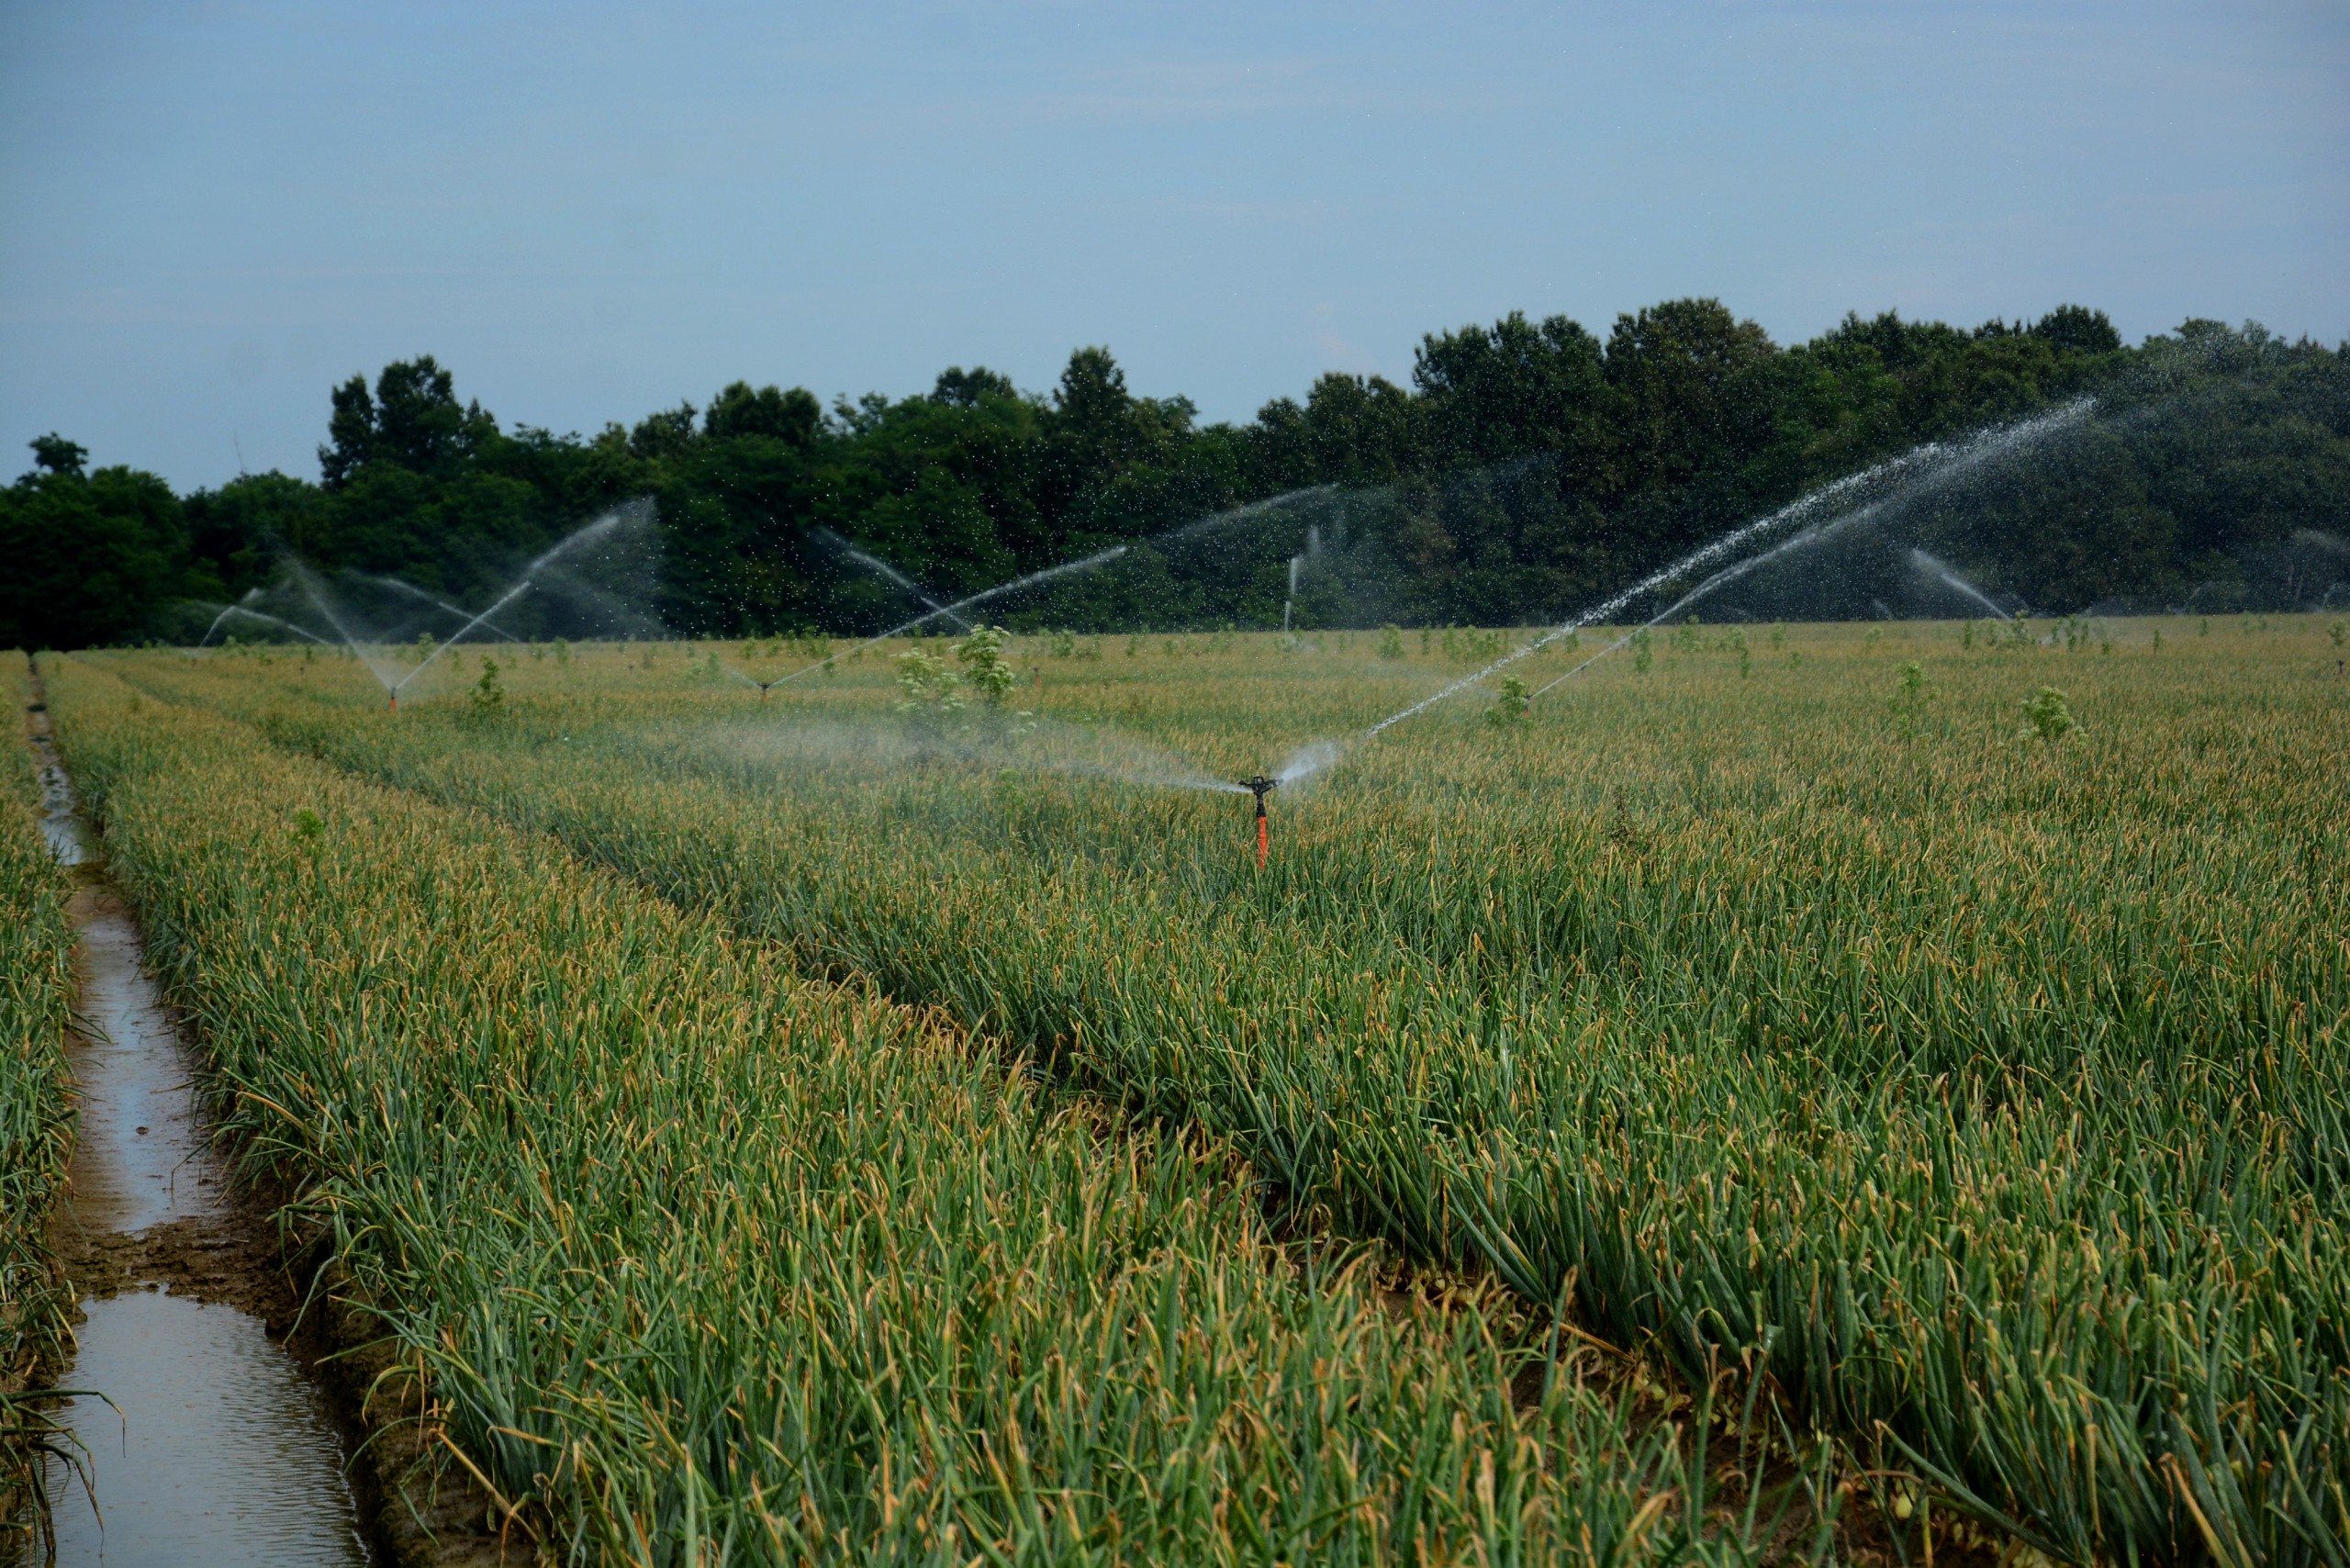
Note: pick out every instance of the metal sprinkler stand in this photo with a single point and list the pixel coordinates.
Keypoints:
(1260, 787)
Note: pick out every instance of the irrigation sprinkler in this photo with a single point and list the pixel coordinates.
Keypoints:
(1260, 787)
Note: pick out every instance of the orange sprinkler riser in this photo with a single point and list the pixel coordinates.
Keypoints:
(1259, 787)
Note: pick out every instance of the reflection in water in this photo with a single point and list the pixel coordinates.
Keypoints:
(59, 822)
(140, 1159)
(222, 1453)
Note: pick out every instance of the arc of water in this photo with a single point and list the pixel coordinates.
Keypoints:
(416, 593)
(883, 568)
(310, 587)
(273, 619)
(547, 558)
(227, 610)
(509, 597)
(1941, 461)
(1974, 453)
(1729, 544)
(1722, 578)
(1100, 558)
(1950, 579)
(983, 596)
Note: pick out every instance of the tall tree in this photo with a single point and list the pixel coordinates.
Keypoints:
(92, 557)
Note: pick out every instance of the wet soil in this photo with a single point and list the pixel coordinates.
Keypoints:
(229, 1384)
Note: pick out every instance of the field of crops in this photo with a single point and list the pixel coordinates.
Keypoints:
(787, 1122)
(35, 1000)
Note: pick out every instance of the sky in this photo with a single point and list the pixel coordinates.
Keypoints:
(212, 212)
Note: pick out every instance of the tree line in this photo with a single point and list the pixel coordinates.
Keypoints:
(1529, 468)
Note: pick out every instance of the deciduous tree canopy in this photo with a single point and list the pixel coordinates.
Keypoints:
(1586, 462)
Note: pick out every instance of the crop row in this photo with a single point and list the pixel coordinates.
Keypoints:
(700, 1256)
(36, 1003)
(1996, 1086)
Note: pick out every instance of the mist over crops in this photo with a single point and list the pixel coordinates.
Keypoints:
(1918, 1042)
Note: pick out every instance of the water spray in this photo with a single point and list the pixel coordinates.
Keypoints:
(764, 685)
(1934, 565)
(1941, 461)
(956, 608)
(419, 594)
(890, 574)
(1084, 564)
(271, 620)
(546, 559)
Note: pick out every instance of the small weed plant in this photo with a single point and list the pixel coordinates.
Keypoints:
(488, 694)
(2048, 716)
(1510, 705)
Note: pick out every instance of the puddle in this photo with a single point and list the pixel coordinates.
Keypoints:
(224, 1452)
(218, 1448)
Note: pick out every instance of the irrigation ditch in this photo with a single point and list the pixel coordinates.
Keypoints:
(218, 1385)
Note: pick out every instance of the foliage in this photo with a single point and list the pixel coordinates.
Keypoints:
(2047, 715)
(1529, 469)
(985, 670)
(1510, 707)
(1998, 1093)
(786, 1272)
(487, 695)
(1910, 694)
(36, 1002)
(90, 558)
(926, 685)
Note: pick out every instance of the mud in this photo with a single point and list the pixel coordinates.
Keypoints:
(229, 1384)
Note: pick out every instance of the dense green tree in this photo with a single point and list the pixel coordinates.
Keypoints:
(53, 453)
(794, 416)
(968, 388)
(1528, 469)
(238, 533)
(2076, 329)
(92, 557)
(413, 421)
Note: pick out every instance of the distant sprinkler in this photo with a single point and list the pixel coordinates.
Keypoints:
(1260, 787)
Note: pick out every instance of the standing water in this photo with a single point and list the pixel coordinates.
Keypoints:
(215, 1447)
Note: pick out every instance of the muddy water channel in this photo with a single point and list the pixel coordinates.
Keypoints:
(206, 1441)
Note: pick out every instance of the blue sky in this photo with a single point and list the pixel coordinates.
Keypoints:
(215, 211)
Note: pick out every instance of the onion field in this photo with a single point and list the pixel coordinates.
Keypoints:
(1861, 1091)
(36, 998)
